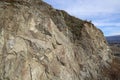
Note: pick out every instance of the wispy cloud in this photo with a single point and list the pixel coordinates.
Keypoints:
(115, 33)
(110, 30)
(102, 12)
(87, 7)
(107, 24)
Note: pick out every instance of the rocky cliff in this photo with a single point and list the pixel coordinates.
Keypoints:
(38, 42)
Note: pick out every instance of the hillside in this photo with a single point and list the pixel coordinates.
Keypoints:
(113, 39)
(38, 42)
(114, 43)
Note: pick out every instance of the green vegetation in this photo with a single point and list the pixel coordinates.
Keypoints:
(74, 24)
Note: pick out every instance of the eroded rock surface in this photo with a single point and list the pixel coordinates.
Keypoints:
(38, 42)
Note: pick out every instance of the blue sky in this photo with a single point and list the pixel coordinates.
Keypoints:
(105, 14)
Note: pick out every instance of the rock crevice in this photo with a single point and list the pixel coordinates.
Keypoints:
(38, 42)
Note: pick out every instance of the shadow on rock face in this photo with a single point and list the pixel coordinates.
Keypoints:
(113, 72)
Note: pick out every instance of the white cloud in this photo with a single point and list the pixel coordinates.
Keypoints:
(115, 33)
(104, 13)
(107, 24)
(88, 7)
(110, 30)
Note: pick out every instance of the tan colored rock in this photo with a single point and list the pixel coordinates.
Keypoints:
(38, 42)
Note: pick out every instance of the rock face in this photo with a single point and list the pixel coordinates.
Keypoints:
(38, 42)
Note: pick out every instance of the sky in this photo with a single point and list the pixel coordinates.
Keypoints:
(105, 14)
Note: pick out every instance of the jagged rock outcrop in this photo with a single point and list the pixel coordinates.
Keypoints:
(38, 42)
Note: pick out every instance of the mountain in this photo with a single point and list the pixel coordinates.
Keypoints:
(38, 42)
(113, 39)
